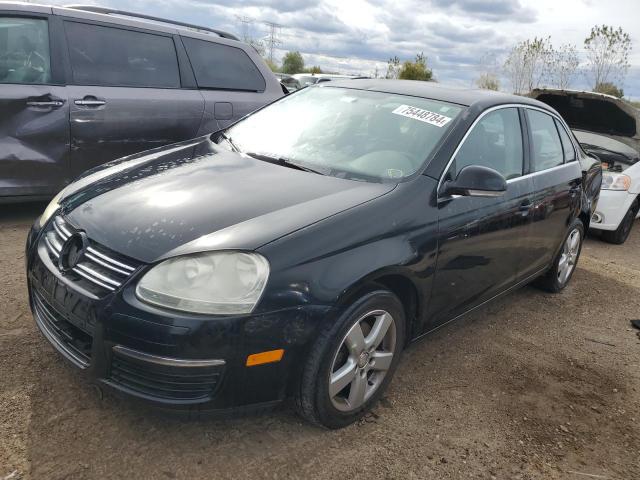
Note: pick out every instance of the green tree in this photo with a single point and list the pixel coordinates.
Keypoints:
(292, 63)
(314, 69)
(417, 70)
(272, 65)
(610, 89)
(608, 51)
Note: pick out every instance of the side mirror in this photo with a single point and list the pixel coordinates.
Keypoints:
(476, 181)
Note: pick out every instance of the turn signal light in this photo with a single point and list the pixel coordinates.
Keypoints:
(261, 358)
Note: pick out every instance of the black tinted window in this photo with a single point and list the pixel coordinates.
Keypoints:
(24, 51)
(569, 152)
(221, 66)
(495, 142)
(117, 57)
(547, 149)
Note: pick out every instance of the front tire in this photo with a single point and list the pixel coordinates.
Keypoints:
(352, 362)
(620, 235)
(564, 265)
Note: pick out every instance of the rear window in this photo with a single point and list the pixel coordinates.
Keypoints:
(222, 67)
(121, 58)
(567, 146)
(547, 149)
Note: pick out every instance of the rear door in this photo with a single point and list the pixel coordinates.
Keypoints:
(34, 112)
(230, 82)
(557, 178)
(481, 239)
(125, 93)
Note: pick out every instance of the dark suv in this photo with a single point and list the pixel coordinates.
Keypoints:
(81, 86)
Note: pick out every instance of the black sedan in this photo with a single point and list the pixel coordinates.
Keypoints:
(259, 263)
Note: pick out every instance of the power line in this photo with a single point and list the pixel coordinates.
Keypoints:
(273, 38)
(246, 23)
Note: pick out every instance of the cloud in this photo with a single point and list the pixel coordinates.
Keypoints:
(358, 36)
(491, 10)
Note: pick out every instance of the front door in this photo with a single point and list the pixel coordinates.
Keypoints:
(480, 239)
(125, 94)
(34, 112)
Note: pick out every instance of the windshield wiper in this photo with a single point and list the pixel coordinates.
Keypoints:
(285, 162)
(230, 142)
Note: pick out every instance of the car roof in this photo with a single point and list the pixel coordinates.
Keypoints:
(437, 91)
(124, 18)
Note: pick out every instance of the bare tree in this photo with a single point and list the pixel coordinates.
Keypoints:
(608, 52)
(488, 81)
(393, 68)
(563, 65)
(527, 64)
(489, 72)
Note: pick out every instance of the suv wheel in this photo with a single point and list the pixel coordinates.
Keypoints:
(564, 265)
(620, 235)
(352, 362)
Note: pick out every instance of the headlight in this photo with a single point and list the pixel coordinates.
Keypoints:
(220, 283)
(615, 181)
(51, 208)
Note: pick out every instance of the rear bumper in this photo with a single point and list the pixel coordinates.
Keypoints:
(612, 207)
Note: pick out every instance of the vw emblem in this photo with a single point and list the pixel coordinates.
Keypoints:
(72, 251)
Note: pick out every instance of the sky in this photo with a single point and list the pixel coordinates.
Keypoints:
(356, 36)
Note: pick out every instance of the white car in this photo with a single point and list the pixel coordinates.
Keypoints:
(606, 127)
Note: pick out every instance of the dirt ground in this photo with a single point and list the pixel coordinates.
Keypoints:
(533, 386)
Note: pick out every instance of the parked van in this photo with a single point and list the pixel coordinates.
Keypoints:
(80, 86)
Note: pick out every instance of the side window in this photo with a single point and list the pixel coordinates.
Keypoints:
(121, 58)
(567, 146)
(547, 149)
(24, 51)
(494, 142)
(222, 67)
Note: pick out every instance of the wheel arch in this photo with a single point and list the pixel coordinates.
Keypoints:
(397, 282)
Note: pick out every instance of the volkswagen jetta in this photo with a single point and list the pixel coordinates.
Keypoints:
(260, 262)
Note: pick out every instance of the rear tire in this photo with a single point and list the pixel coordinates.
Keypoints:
(352, 361)
(564, 265)
(620, 235)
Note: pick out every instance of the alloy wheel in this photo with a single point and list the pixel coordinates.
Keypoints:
(569, 256)
(362, 360)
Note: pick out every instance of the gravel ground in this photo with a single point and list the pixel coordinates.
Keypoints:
(531, 386)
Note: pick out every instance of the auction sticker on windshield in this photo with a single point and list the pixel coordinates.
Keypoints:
(426, 116)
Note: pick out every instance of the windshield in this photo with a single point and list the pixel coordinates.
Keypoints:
(347, 133)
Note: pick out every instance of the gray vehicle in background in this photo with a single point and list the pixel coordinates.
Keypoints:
(80, 86)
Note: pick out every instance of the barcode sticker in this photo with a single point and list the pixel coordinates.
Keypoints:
(432, 118)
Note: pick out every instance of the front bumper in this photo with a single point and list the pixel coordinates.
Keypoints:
(612, 207)
(182, 361)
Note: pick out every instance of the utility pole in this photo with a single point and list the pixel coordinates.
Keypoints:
(246, 27)
(273, 39)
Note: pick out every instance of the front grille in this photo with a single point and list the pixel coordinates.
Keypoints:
(73, 342)
(99, 270)
(159, 382)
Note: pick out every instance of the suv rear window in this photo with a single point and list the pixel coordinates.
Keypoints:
(121, 58)
(222, 67)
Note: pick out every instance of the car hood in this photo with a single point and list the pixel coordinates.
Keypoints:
(595, 112)
(588, 140)
(196, 197)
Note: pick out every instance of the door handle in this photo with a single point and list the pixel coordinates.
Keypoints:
(45, 101)
(90, 103)
(525, 207)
